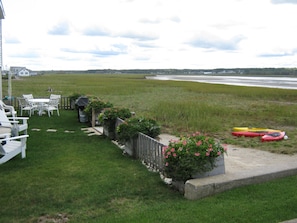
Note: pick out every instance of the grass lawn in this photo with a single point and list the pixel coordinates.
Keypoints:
(87, 179)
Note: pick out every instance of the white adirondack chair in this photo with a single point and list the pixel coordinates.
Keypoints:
(11, 147)
(15, 124)
(9, 110)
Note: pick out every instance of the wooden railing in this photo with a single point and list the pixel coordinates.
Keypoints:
(147, 150)
(65, 103)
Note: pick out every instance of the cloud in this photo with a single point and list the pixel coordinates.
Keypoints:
(279, 53)
(142, 36)
(158, 20)
(12, 40)
(284, 1)
(62, 28)
(146, 45)
(215, 42)
(27, 54)
(96, 31)
(113, 50)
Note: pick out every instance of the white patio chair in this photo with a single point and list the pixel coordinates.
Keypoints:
(25, 106)
(53, 96)
(52, 106)
(28, 96)
(10, 147)
(16, 125)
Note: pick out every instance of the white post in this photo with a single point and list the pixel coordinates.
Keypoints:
(1, 62)
(1, 68)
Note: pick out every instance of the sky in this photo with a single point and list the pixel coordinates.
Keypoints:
(149, 34)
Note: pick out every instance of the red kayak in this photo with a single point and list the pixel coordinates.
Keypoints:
(273, 136)
(251, 133)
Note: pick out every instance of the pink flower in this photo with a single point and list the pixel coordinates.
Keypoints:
(164, 149)
(168, 153)
(185, 142)
(225, 147)
(174, 154)
(197, 154)
(207, 154)
(219, 153)
(172, 150)
(210, 149)
(166, 164)
(198, 143)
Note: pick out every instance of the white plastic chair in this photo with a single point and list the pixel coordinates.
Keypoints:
(53, 96)
(52, 106)
(10, 147)
(28, 96)
(25, 106)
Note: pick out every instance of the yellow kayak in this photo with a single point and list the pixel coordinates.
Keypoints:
(247, 129)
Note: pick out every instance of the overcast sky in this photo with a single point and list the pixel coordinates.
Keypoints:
(149, 34)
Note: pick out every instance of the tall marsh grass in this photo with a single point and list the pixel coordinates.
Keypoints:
(182, 107)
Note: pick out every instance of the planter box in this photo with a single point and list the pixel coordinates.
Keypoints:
(218, 169)
(130, 147)
(110, 134)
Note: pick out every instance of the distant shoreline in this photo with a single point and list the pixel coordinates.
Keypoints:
(254, 81)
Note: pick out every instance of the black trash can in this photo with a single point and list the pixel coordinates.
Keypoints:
(81, 103)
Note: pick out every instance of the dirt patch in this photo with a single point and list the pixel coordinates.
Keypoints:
(59, 218)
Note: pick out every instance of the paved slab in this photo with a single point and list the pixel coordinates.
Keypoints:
(243, 167)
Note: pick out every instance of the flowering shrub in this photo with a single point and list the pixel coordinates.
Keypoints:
(191, 155)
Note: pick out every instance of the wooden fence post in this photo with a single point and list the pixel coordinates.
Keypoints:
(93, 117)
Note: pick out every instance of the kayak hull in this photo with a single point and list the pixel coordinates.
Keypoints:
(274, 136)
(247, 129)
(250, 133)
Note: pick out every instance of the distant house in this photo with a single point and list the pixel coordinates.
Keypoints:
(20, 71)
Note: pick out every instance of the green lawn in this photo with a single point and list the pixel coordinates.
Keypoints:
(87, 179)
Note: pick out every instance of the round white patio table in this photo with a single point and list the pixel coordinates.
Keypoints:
(40, 103)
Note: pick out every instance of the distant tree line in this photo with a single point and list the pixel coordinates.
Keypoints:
(219, 71)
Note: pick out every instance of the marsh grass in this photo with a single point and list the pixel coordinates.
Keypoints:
(184, 107)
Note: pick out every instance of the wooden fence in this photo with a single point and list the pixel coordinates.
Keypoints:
(65, 103)
(147, 150)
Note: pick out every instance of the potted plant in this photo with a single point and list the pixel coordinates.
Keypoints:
(127, 132)
(108, 118)
(191, 155)
(94, 107)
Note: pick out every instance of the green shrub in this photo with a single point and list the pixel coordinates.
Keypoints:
(109, 116)
(97, 104)
(131, 127)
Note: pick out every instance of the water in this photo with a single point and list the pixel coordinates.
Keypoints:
(269, 82)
